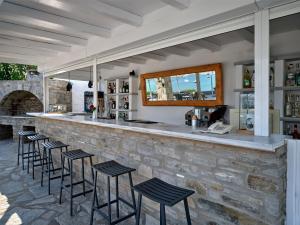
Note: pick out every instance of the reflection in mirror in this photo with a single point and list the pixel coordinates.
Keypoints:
(193, 86)
(190, 86)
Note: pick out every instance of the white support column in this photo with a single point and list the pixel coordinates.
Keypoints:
(279, 69)
(262, 71)
(95, 89)
(45, 94)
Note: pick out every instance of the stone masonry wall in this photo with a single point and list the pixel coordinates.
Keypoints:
(234, 186)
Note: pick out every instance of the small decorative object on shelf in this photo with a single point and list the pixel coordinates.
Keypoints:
(290, 77)
(295, 133)
(247, 79)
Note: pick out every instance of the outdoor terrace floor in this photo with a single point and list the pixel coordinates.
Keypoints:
(24, 201)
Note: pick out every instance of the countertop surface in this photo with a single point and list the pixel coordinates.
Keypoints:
(247, 141)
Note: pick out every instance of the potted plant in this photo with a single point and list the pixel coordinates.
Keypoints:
(93, 110)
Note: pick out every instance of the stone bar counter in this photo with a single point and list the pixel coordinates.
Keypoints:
(237, 179)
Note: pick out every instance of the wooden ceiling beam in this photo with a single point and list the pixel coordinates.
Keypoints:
(21, 50)
(179, 4)
(114, 12)
(14, 29)
(16, 13)
(14, 41)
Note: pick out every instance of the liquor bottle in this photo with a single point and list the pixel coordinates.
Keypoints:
(271, 80)
(123, 87)
(295, 132)
(253, 79)
(290, 78)
(109, 88)
(127, 87)
(288, 109)
(247, 79)
(297, 74)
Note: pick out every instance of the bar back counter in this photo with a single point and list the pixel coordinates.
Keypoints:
(237, 179)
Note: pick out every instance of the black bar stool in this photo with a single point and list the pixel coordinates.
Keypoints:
(163, 193)
(48, 160)
(35, 153)
(71, 156)
(22, 138)
(112, 169)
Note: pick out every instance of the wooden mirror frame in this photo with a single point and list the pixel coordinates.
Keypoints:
(195, 69)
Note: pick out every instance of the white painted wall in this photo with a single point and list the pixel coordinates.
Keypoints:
(78, 89)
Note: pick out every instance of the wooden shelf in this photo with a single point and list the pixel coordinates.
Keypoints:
(291, 88)
(249, 90)
(290, 119)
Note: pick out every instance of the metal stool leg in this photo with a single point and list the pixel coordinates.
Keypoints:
(162, 214)
(28, 155)
(23, 167)
(43, 167)
(138, 213)
(71, 187)
(83, 179)
(132, 191)
(117, 197)
(49, 180)
(94, 198)
(19, 146)
(93, 177)
(187, 212)
(108, 200)
(62, 178)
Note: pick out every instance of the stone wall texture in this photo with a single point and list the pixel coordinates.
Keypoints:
(234, 186)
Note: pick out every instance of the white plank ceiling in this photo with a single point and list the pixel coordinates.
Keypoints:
(36, 30)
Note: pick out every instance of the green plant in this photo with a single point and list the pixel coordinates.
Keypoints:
(14, 71)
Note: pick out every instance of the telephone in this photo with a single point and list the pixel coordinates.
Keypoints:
(218, 128)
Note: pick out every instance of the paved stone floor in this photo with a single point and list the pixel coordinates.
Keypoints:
(24, 201)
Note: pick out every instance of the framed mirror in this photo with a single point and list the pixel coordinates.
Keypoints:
(192, 86)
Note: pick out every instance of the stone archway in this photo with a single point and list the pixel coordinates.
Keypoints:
(34, 87)
(19, 102)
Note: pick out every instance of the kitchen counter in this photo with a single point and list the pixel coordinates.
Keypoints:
(270, 143)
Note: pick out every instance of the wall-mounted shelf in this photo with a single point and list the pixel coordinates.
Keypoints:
(119, 97)
(249, 90)
(290, 119)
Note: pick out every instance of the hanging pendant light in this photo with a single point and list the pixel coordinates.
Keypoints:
(90, 84)
(69, 85)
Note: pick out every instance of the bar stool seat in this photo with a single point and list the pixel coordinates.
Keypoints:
(54, 144)
(23, 135)
(35, 154)
(163, 193)
(48, 147)
(112, 169)
(77, 154)
(26, 133)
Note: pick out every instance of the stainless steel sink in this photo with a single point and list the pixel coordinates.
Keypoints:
(141, 121)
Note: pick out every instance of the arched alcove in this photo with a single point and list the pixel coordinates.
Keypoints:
(20, 102)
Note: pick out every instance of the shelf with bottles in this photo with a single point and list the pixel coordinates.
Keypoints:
(292, 78)
(292, 129)
(125, 97)
(111, 87)
(248, 81)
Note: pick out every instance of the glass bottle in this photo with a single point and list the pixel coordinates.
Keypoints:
(295, 132)
(290, 78)
(297, 74)
(247, 79)
(288, 107)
